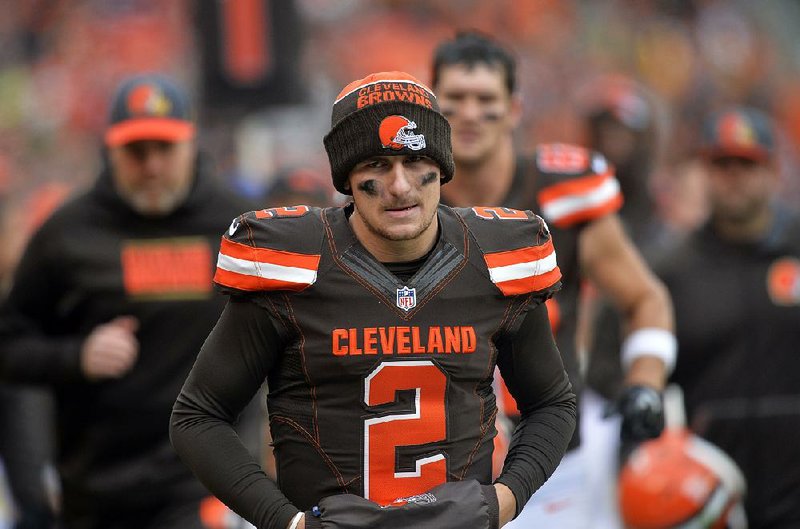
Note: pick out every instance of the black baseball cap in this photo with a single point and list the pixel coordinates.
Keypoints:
(740, 132)
(149, 107)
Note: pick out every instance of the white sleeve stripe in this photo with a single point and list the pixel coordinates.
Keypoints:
(266, 270)
(541, 266)
(561, 207)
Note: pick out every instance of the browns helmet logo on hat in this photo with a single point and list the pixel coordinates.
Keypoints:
(733, 129)
(404, 113)
(741, 132)
(395, 133)
(148, 99)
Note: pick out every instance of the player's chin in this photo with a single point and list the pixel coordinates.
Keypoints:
(406, 231)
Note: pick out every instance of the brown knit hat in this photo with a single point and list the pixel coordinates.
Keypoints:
(386, 113)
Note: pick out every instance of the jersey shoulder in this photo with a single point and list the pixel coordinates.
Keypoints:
(577, 185)
(271, 249)
(517, 249)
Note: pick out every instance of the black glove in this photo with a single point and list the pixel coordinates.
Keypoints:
(450, 506)
(642, 411)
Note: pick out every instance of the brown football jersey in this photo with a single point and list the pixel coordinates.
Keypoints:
(384, 388)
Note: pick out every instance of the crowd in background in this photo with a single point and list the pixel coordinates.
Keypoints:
(61, 59)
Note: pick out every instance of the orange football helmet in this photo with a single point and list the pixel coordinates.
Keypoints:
(680, 481)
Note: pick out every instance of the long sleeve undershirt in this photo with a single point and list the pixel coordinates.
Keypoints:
(244, 346)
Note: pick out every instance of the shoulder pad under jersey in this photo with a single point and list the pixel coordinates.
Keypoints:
(271, 249)
(517, 249)
(577, 185)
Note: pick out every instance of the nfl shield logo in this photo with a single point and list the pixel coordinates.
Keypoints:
(406, 298)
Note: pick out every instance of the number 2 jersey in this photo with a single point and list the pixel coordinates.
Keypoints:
(377, 387)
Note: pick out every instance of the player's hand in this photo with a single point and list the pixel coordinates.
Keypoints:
(111, 349)
(642, 411)
(454, 505)
(507, 503)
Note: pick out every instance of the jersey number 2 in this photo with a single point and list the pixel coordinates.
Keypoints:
(426, 423)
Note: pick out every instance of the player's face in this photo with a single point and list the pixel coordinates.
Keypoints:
(154, 177)
(395, 198)
(739, 189)
(481, 111)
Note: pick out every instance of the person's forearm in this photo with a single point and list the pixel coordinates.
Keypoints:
(647, 371)
(651, 309)
(39, 360)
(507, 503)
(211, 448)
(539, 442)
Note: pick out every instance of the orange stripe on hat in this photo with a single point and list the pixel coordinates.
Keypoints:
(380, 77)
(164, 129)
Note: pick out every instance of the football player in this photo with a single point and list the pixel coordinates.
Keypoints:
(378, 326)
(576, 191)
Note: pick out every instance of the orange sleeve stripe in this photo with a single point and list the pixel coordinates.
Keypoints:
(522, 255)
(525, 285)
(589, 214)
(267, 255)
(575, 186)
(254, 283)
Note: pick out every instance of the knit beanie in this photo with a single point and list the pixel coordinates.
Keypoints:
(384, 114)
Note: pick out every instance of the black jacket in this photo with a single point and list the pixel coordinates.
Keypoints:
(737, 315)
(93, 260)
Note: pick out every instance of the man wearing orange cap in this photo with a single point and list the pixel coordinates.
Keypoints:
(378, 326)
(110, 303)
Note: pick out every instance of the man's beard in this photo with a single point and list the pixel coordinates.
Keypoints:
(165, 203)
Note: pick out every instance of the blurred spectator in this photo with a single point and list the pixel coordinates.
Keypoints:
(298, 186)
(26, 413)
(110, 303)
(622, 122)
(736, 287)
(575, 190)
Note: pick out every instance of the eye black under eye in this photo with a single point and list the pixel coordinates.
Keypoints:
(429, 177)
(368, 187)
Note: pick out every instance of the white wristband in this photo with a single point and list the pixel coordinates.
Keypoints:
(295, 521)
(650, 341)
